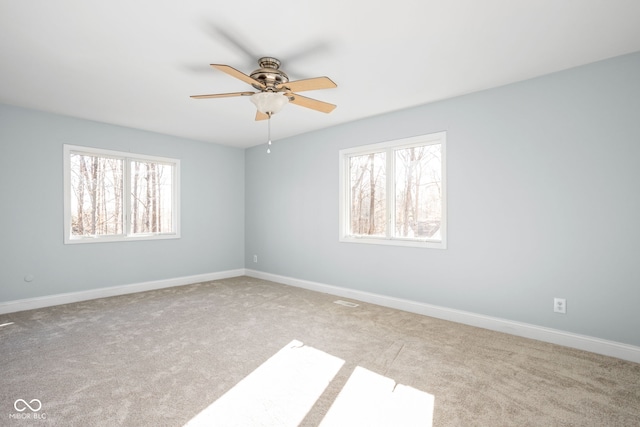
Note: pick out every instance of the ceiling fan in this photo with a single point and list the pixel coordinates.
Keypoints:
(275, 89)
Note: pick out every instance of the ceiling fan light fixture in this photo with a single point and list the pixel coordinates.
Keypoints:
(269, 102)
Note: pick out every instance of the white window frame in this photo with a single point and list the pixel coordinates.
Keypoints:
(345, 192)
(127, 235)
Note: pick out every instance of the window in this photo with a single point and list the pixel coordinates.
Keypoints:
(393, 193)
(114, 196)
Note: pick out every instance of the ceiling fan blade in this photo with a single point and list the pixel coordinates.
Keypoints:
(238, 75)
(230, 35)
(306, 50)
(308, 84)
(222, 95)
(314, 104)
(261, 116)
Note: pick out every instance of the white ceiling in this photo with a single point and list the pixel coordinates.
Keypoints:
(135, 62)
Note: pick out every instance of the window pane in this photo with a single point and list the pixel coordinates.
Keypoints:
(368, 194)
(151, 197)
(96, 195)
(418, 208)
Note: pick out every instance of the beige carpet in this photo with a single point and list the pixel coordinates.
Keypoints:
(173, 356)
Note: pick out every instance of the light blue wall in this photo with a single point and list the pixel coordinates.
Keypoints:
(544, 202)
(31, 198)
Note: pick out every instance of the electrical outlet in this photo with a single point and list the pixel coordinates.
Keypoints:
(255, 258)
(560, 305)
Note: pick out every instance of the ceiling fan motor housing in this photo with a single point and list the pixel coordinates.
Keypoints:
(269, 73)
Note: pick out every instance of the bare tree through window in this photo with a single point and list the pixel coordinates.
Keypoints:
(394, 193)
(151, 197)
(418, 191)
(368, 194)
(96, 184)
(118, 196)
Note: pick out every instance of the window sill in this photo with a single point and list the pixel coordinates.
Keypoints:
(412, 243)
(111, 239)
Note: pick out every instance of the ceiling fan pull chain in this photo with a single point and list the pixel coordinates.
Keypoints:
(269, 130)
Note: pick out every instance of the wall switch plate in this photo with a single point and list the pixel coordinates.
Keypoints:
(560, 305)
(255, 258)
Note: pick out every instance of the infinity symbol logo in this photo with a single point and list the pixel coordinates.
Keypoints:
(26, 405)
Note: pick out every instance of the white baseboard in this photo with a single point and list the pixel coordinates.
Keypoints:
(66, 298)
(554, 336)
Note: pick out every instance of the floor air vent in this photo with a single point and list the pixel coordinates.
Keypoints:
(346, 303)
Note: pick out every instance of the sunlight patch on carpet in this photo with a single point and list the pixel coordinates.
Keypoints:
(280, 392)
(370, 399)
